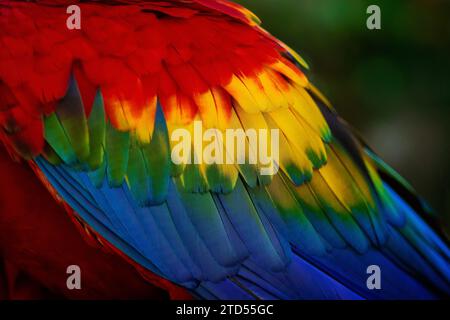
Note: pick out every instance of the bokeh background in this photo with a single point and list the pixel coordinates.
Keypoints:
(391, 84)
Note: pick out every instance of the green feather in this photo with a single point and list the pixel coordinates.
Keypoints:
(249, 173)
(176, 170)
(58, 140)
(214, 177)
(70, 113)
(51, 156)
(157, 159)
(117, 148)
(97, 133)
(193, 180)
(137, 175)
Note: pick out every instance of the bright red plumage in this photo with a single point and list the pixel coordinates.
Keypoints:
(130, 52)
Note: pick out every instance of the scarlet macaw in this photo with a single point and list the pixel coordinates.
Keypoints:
(93, 111)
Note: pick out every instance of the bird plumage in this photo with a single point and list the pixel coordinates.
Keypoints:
(93, 111)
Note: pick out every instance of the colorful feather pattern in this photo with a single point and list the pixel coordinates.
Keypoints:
(95, 108)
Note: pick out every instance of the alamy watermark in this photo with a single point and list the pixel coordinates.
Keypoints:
(374, 20)
(374, 280)
(73, 22)
(73, 281)
(232, 146)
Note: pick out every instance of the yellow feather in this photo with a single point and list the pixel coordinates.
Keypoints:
(242, 95)
(355, 172)
(340, 182)
(273, 88)
(306, 108)
(146, 123)
(290, 157)
(297, 135)
(207, 107)
(291, 72)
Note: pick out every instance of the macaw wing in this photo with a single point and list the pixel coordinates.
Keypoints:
(96, 110)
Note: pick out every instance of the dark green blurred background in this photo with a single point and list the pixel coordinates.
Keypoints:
(391, 84)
